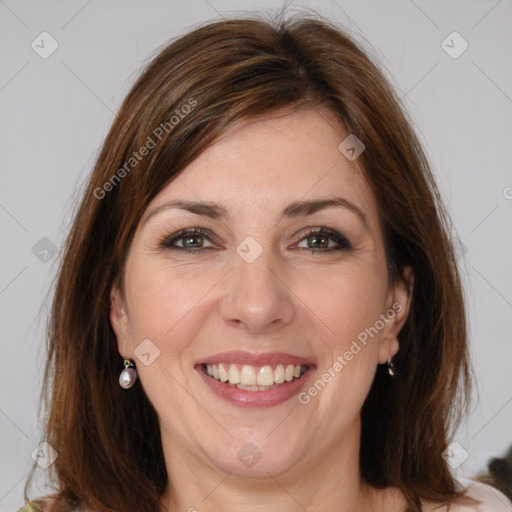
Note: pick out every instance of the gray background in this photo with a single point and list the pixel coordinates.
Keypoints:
(56, 112)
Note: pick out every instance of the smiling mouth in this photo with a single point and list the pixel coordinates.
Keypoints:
(254, 378)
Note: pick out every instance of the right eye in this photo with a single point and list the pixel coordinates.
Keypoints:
(189, 239)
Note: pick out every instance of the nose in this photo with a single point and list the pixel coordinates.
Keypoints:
(257, 297)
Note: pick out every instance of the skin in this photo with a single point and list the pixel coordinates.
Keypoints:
(313, 305)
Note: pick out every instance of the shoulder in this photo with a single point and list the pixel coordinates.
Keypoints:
(29, 507)
(491, 500)
(45, 505)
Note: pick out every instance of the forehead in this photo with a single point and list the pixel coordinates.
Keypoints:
(271, 162)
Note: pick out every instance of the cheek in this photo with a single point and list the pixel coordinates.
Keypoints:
(167, 307)
(348, 301)
(165, 303)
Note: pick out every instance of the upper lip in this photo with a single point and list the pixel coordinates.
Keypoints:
(253, 359)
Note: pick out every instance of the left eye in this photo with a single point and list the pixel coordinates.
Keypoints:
(321, 237)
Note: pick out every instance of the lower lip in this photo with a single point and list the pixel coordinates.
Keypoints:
(245, 398)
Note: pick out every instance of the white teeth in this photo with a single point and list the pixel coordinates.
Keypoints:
(233, 374)
(247, 376)
(254, 378)
(265, 376)
(223, 374)
(249, 388)
(279, 374)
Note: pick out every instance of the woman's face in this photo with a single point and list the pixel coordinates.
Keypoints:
(260, 298)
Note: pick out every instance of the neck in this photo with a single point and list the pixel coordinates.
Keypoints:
(328, 480)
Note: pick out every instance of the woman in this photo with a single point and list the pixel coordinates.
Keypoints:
(258, 306)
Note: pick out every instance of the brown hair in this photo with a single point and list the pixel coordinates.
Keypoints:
(108, 439)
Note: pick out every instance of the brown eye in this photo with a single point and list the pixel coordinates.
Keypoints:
(192, 240)
(318, 240)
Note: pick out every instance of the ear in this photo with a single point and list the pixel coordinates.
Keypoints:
(120, 324)
(398, 303)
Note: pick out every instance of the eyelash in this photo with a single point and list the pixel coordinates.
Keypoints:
(342, 241)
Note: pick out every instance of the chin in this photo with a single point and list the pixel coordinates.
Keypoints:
(255, 457)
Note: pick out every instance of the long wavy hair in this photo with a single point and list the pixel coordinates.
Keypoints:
(108, 441)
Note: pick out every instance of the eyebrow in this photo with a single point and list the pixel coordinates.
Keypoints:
(296, 209)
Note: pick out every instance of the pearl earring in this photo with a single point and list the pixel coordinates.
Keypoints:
(128, 375)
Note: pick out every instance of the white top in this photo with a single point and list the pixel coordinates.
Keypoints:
(491, 500)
